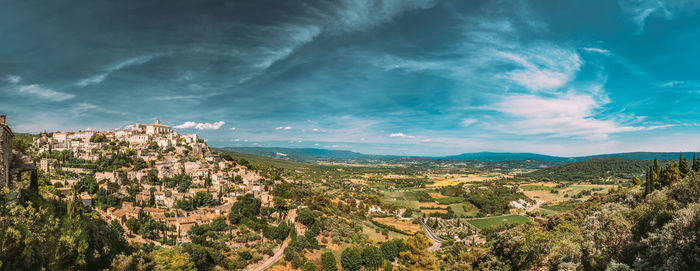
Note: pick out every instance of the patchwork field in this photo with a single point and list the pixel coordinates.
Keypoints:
(431, 205)
(449, 179)
(544, 191)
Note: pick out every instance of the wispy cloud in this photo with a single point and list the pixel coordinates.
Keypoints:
(469, 121)
(284, 128)
(200, 126)
(543, 68)
(671, 84)
(641, 10)
(139, 60)
(35, 90)
(353, 15)
(597, 50)
(13, 79)
(565, 115)
(401, 135)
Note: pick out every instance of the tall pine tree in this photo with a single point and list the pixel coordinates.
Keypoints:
(696, 163)
(683, 167)
(647, 182)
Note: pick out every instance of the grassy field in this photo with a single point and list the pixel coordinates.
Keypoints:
(482, 223)
(371, 231)
(450, 200)
(546, 211)
(564, 206)
(459, 209)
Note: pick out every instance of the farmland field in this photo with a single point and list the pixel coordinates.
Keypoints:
(482, 223)
(404, 225)
(459, 209)
(450, 200)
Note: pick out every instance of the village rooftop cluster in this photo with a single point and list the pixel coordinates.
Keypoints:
(160, 152)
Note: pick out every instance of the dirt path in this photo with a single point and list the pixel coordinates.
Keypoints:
(533, 207)
(279, 252)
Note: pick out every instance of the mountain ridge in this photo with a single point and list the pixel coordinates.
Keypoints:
(319, 154)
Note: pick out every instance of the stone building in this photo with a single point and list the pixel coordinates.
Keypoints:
(157, 129)
(12, 163)
(5, 151)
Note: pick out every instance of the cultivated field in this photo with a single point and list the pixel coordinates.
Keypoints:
(482, 223)
(404, 225)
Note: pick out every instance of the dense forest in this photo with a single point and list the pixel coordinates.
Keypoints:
(626, 229)
(594, 169)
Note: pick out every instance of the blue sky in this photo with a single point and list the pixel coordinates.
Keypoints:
(385, 77)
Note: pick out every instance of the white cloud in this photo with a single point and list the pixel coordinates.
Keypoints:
(564, 115)
(597, 50)
(186, 125)
(44, 93)
(401, 135)
(315, 129)
(232, 128)
(469, 121)
(543, 68)
(200, 126)
(13, 79)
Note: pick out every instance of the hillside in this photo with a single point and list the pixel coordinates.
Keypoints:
(315, 155)
(593, 169)
(308, 154)
(505, 156)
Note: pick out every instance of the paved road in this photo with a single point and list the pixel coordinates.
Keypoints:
(272, 260)
(437, 241)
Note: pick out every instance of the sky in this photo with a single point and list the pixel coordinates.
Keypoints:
(409, 77)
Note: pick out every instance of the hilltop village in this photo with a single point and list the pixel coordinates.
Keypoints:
(153, 170)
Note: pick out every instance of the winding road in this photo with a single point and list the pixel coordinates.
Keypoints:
(437, 241)
(272, 260)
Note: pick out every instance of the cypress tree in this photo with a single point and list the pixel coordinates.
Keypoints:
(647, 183)
(696, 163)
(656, 169)
(683, 166)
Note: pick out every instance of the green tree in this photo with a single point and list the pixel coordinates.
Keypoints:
(696, 163)
(132, 224)
(670, 174)
(683, 167)
(173, 259)
(328, 262)
(309, 266)
(371, 257)
(135, 261)
(636, 181)
(351, 259)
(246, 206)
(306, 217)
(140, 164)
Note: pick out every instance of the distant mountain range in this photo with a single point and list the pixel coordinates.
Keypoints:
(313, 155)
